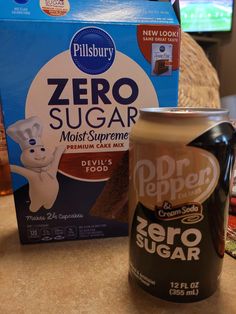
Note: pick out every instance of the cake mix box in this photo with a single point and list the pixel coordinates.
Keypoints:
(73, 76)
(161, 59)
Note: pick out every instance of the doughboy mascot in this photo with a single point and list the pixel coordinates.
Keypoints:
(40, 165)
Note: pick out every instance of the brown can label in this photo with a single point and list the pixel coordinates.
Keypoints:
(178, 209)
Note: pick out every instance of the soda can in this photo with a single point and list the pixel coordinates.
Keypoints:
(181, 161)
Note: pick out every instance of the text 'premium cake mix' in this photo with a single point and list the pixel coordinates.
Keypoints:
(180, 168)
(73, 76)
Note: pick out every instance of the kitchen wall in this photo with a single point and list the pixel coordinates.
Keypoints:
(227, 61)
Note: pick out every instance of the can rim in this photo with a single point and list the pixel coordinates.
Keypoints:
(184, 111)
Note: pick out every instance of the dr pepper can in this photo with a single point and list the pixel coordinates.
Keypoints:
(180, 167)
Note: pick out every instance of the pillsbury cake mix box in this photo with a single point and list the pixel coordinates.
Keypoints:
(73, 76)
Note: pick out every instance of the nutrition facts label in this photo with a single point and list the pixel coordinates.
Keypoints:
(48, 234)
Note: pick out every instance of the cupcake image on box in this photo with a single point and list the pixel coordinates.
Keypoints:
(161, 59)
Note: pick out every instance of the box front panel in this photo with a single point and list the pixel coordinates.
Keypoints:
(71, 93)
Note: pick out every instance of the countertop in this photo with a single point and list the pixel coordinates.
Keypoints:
(89, 276)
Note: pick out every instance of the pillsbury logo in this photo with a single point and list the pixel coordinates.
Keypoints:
(32, 141)
(92, 50)
(162, 48)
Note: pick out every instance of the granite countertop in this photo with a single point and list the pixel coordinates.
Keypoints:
(89, 276)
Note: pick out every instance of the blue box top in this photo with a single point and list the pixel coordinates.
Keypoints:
(102, 11)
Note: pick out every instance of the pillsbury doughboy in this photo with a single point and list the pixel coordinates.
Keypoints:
(40, 163)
